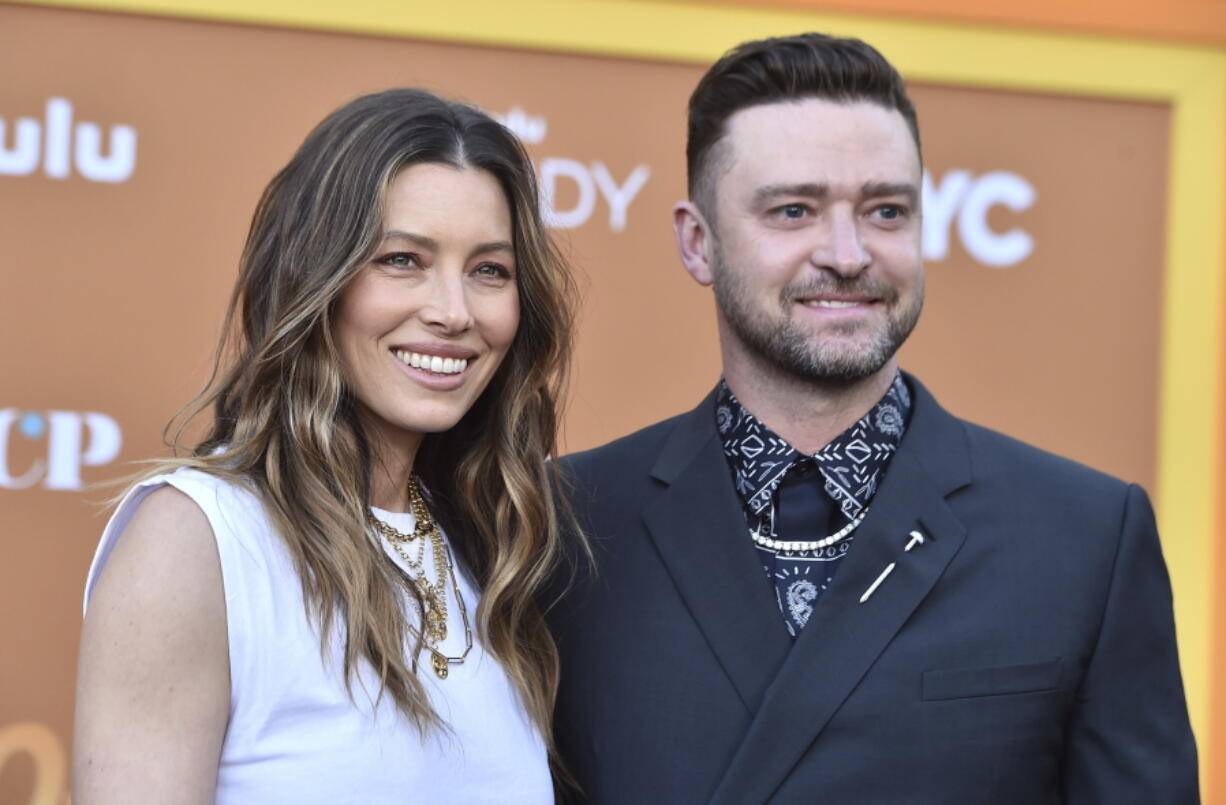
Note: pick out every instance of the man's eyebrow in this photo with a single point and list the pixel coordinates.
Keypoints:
(808, 189)
(819, 191)
(883, 189)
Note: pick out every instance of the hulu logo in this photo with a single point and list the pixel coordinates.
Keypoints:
(60, 145)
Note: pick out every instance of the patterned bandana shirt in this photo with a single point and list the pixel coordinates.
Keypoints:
(851, 467)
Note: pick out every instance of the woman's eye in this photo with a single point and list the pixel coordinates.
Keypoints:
(400, 260)
(492, 271)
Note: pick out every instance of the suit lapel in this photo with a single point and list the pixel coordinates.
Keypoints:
(699, 530)
(844, 637)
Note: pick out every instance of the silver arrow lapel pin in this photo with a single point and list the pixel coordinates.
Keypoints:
(916, 539)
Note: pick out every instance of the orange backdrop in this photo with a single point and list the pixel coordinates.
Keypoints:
(113, 287)
(1189, 20)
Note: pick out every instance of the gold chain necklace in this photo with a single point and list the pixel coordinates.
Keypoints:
(433, 595)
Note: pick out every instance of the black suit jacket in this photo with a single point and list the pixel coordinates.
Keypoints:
(1025, 653)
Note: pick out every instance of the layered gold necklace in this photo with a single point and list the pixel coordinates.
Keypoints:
(433, 594)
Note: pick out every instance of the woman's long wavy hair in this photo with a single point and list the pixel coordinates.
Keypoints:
(285, 425)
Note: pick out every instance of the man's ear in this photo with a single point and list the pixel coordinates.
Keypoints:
(695, 241)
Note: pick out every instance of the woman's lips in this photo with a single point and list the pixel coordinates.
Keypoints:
(435, 364)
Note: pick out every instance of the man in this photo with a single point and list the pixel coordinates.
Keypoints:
(818, 586)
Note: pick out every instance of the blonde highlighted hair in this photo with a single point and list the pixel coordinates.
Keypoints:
(285, 425)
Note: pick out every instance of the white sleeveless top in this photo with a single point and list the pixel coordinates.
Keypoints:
(294, 733)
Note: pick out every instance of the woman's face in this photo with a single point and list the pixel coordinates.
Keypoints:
(424, 325)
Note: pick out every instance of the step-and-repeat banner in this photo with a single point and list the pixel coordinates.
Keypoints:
(133, 149)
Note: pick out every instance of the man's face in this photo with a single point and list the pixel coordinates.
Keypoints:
(815, 241)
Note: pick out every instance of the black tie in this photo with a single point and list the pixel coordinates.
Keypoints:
(802, 514)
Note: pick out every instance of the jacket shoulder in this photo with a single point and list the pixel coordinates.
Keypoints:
(608, 486)
(634, 451)
(997, 456)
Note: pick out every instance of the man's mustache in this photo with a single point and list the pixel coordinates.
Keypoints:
(857, 287)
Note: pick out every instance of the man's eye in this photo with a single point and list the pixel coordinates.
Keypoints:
(890, 212)
(792, 211)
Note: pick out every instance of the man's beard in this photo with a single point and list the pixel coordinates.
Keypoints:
(788, 347)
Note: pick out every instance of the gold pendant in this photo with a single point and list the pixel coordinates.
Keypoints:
(437, 627)
(440, 664)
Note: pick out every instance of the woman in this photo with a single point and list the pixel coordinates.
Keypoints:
(282, 616)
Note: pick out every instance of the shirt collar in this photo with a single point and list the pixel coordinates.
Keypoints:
(851, 464)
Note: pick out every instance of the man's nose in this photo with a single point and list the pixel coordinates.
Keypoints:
(842, 247)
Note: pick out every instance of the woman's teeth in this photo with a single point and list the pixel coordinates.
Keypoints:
(433, 363)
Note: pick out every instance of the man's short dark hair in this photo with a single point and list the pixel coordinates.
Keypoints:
(788, 68)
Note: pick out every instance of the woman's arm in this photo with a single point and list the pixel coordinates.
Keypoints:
(153, 683)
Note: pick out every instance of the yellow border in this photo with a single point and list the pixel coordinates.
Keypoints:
(1191, 79)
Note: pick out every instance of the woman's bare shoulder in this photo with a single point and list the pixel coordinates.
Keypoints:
(166, 546)
(153, 687)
